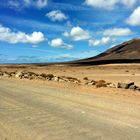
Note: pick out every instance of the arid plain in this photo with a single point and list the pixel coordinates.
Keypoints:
(41, 109)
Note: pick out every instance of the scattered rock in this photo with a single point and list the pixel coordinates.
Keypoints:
(66, 79)
(5, 74)
(101, 83)
(19, 74)
(133, 87)
(122, 85)
(127, 71)
(46, 76)
(12, 74)
(60, 79)
(55, 78)
(111, 85)
(128, 85)
(85, 78)
(91, 82)
(125, 85)
(69, 79)
(73, 80)
(26, 75)
(43, 75)
(49, 76)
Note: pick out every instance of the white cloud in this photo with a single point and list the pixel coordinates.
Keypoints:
(134, 18)
(77, 34)
(117, 32)
(101, 3)
(21, 4)
(59, 43)
(102, 41)
(110, 4)
(14, 4)
(56, 15)
(38, 25)
(129, 3)
(27, 2)
(41, 3)
(7, 35)
(38, 3)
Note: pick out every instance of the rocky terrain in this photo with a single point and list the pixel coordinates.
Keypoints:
(50, 77)
(62, 102)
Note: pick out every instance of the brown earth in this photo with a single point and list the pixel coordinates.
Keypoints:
(110, 73)
(40, 110)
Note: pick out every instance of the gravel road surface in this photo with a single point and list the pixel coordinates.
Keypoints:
(39, 112)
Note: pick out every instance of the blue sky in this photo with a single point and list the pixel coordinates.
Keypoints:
(34, 31)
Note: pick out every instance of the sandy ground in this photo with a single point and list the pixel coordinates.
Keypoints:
(40, 110)
(111, 73)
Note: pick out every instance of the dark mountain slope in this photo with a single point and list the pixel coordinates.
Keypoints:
(127, 52)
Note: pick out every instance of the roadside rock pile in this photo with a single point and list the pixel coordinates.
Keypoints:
(26, 75)
(50, 77)
(101, 83)
(5, 74)
(69, 79)
(47, 77)
(128, 85)
(66, 79)
(32, 75)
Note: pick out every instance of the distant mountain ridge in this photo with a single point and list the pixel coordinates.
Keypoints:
(127, 52)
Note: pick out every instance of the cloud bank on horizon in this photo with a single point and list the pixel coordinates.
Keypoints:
(48, 30)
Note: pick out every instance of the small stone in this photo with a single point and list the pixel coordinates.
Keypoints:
(49, 76)
(134, 87)
(1, 73)
(111, 85)
(101, 83)
(55, 78)
(85, 78)
(19, 74)
(92, 82)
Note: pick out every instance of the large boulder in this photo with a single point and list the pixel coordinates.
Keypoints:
(125, 85)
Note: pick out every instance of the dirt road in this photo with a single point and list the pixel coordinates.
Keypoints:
(39, 112)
